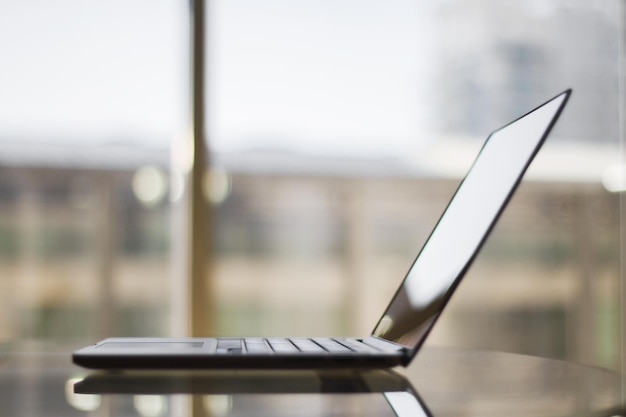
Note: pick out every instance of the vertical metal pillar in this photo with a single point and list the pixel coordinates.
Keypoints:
(621, 108)
(190, 252)
(621, 105)
(355, 216)
(586, 266)
(199, 215)
(105, 256)
(622, 198)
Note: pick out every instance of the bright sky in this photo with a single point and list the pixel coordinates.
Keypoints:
(321, 76)
(90, 70)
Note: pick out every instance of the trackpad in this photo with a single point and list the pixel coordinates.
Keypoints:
(151, 345)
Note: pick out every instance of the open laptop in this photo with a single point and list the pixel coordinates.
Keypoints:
(430, 282)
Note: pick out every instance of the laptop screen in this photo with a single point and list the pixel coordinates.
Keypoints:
(464, 225)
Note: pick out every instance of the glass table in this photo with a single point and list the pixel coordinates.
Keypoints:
(40, 380)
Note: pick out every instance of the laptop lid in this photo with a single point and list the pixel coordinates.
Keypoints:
(464, 226)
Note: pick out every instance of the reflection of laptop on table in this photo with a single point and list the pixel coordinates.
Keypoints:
(411, 314)
(397, 390)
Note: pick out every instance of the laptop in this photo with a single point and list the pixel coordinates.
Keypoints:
(412, 312)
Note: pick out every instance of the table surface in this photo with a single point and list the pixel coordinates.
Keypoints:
(40, 380)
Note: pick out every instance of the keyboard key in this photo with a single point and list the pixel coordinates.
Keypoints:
(225, 343)
(307, 346)
(332, 345)
(282, 345)
(278, 340)
(257, 346)
(358, 346)
(229, 346)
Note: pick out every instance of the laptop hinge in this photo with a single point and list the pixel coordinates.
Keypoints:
(383, 344)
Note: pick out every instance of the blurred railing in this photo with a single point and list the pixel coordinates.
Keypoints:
(87, 254)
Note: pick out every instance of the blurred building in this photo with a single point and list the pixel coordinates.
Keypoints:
(304, 245)
(495, 60)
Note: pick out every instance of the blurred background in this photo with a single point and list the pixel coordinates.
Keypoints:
(336, 132)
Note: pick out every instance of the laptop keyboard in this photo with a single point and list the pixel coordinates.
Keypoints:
(275, 345)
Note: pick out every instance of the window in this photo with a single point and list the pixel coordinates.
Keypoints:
(337, 132)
